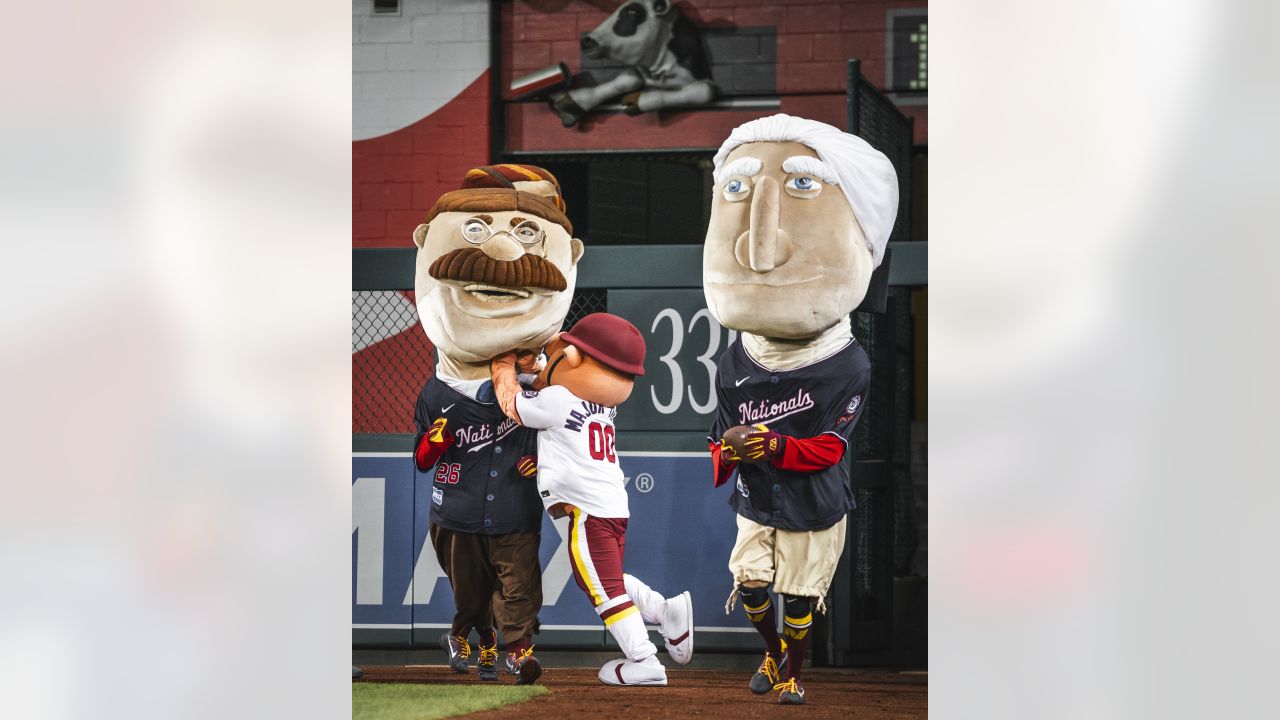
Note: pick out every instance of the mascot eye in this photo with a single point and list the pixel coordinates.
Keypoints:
(475, 231)
(527, 233)
(803, 186)
(735, 190)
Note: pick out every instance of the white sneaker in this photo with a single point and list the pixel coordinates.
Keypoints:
(625, 672)
(677, 627)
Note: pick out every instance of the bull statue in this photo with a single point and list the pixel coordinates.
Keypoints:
(667, 66)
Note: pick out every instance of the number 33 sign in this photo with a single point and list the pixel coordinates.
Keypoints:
(684, 343)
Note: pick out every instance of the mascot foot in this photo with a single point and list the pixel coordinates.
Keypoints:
(625, 672)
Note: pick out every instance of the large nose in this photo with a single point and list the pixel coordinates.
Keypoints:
(588, 43)
(762, 236)
(501, 246)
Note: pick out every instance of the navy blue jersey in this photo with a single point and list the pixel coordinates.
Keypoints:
(475, 485)
(826, 396)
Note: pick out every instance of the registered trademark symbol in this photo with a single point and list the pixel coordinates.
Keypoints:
(644, 482)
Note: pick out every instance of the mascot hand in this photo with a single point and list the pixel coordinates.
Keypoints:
(527, 466)
(764, 443)
(505, 384)
(529, 362)
(728, 453)
(528, 366)
(438, 434)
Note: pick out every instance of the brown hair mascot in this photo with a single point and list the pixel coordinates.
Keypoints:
(800, 216)
(590, 370)
(495, 270)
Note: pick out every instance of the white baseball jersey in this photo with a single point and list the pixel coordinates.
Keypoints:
(577, 459)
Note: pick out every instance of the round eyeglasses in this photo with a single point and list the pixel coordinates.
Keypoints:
(477, 231)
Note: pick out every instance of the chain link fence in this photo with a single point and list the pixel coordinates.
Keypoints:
(391, 356)
(874, 118)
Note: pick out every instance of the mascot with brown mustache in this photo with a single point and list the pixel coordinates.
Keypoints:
(496, 268)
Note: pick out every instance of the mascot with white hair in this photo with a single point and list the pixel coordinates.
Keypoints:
(800, 217)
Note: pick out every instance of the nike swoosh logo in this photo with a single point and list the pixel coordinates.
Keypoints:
(739, 383)
(446, 408)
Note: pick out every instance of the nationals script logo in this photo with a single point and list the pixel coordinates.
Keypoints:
(762, 411)
(479, 436)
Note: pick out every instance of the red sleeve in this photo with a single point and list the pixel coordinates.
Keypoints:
(721, 469)
(428, 452)
(810, 454)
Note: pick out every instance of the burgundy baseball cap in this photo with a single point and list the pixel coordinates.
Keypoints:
(609, 339)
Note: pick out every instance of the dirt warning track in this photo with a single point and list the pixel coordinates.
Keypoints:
(576, 693)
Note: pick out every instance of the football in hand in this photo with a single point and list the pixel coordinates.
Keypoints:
(736, 438)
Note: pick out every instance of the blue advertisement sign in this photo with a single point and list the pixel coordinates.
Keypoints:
(678, 538)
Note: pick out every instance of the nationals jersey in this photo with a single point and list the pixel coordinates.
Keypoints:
(476, 487)
(577, 462)
(825, 396)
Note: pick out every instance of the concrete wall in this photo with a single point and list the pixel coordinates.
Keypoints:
(407, 66)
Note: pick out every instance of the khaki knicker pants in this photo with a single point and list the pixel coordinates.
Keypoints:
(796, 562)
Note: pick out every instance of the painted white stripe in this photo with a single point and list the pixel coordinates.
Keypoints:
(597, 628)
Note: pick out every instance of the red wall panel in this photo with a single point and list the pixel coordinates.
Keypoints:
(396, 177)
(815, 40)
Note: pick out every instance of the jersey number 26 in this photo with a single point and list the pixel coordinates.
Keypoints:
(448, 473)
(600, 438)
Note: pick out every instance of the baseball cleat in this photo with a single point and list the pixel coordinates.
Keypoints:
(677, 627)
(487, 666)
(459, 652)
(527, 669)
(790, 692)
(625, 672)
(767, 675)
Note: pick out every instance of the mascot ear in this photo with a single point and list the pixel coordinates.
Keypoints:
(420, 235)
(661, 7)
(576, 247)
(572, 355)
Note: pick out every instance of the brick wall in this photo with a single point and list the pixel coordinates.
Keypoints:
(814, 41)
(396, 178)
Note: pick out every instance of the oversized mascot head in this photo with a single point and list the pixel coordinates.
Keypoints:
(800, 216)
(496, 265)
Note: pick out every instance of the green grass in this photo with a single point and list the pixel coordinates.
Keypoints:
(403, 701)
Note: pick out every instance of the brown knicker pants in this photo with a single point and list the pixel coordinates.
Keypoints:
(494, 577)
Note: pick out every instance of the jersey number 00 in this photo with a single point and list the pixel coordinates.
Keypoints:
(600, 438)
